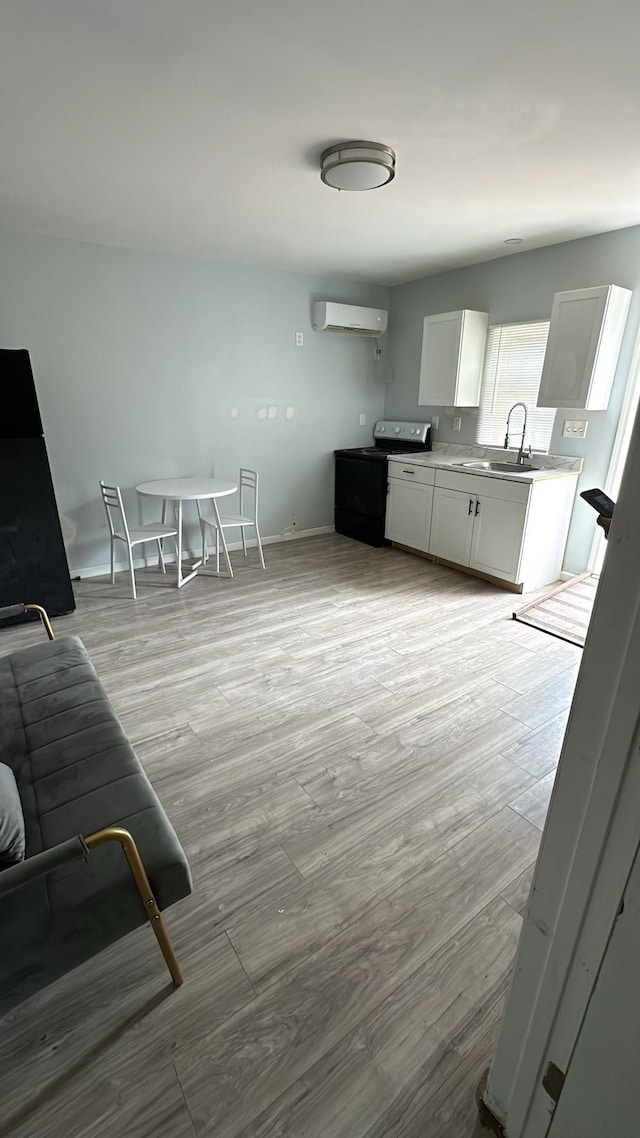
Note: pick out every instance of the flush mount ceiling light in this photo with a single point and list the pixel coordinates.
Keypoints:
(358, 165)
(513, 240)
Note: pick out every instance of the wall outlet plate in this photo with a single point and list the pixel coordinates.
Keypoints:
(299, 339)
(575, 428)
(457, 422)
(435, 422)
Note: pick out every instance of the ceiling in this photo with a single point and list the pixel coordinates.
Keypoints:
(195, 127)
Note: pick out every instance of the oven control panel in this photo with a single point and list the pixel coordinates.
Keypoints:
(401, 432)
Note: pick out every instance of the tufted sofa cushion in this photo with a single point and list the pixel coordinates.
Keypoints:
(76, 773)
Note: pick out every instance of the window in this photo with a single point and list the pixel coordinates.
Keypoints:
(511, 374)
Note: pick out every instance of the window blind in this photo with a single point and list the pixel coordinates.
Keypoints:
(511, 374)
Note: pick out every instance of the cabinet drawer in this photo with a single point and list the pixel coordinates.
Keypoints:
(411, 472)
(482, 486)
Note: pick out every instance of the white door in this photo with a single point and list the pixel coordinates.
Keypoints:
(409, 514)
(585, 865)
(601, 1095)
(452, 524)
(439, 364)
(498, 531)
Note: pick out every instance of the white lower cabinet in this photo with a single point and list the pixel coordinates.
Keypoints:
(451, 525)
(497, 538)
(409, 515)
(513, 531)
(481, 525)
(477, 531)
(409, 504)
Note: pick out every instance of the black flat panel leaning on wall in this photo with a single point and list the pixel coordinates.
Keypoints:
(33, 560)
(19, 411)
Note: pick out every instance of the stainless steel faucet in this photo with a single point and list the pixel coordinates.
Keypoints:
(521, 455)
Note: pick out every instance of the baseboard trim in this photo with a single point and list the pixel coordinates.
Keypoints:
(190, 554)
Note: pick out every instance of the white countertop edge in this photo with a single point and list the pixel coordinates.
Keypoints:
(449, 461)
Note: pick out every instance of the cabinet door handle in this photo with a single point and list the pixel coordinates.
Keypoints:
(470, 505)
(477, 506)
(408, 471)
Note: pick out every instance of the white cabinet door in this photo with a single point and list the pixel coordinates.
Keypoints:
(409, 514)
(452, 525)
(582, 350)
(453, 346)
(498, 533)
(439, 364)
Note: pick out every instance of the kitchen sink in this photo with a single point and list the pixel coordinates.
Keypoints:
(498, 467)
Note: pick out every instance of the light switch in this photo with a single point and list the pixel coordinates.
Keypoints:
(363, 419)
(575, 428)
(457, 423)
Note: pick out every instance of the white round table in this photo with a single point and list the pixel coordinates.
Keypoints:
(181, 490)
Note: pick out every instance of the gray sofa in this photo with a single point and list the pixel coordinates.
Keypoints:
(101, 857)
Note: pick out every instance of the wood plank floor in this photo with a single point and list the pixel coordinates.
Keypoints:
(357, 749)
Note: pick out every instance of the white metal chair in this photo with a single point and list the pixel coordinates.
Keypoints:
(130, 535)
(246, 516)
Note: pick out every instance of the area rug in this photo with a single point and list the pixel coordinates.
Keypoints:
(565, 611)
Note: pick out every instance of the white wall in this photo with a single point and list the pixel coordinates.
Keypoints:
(521, 287)
(139, 360)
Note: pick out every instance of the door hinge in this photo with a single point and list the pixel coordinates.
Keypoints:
(553, 1082)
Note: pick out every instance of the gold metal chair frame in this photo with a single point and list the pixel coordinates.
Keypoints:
(44, 616)
(118, 834)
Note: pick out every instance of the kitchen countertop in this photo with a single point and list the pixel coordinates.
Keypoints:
(448, 456)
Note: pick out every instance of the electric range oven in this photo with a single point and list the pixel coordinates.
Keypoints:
(361, 479)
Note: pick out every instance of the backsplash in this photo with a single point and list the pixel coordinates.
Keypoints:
(499, 454)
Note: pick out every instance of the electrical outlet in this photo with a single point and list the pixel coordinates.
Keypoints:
(299, 340)
(377, 353)
(457, 423)
(574, 428)
(435, 422)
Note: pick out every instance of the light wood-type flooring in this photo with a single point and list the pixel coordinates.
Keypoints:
(356, 748)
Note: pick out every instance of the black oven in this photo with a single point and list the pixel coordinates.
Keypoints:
(361, 479)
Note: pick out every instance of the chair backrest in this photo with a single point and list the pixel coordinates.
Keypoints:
(112, 500)
(249, 485)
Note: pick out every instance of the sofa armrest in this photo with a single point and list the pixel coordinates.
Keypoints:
(18, 610)
(15, 876)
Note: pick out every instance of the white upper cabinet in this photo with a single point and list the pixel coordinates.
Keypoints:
(453, 346)
(582, 350)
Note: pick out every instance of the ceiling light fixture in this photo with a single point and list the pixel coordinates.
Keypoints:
(513, 240)
(358, 165)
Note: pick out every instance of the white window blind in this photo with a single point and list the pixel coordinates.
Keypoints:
(511, 374)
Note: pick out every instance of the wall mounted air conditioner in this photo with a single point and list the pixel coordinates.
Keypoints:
(330, 317)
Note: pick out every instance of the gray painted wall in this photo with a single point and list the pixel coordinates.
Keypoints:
(140, 359)
(521, 287)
